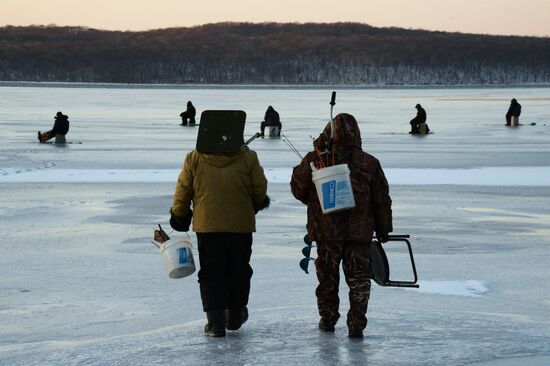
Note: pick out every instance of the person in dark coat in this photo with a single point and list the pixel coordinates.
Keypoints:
(188, 115)
(416, 121)
(345, 236)
(271, 118)
(513, 111)
(60, 127)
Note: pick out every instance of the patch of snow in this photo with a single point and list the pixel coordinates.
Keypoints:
(456, 288)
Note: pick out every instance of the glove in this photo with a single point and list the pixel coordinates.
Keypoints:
(180, 224)
(383, 238)
(265, 204)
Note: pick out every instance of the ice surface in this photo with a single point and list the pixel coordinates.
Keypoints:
(80, 283)
(493, 176)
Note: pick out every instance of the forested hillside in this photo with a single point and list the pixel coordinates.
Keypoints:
(271, 53)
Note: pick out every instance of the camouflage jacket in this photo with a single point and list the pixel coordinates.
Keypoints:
(372, 211)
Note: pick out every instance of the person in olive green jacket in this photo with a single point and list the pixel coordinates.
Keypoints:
(226, 191)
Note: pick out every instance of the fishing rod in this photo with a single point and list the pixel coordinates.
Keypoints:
(331, 139)
(332, 103)
(329, 145)
(256, 135)
(291, 146)
(285, 139)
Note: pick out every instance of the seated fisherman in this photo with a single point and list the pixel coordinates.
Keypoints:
(60, 127)
(513, 111)
(416, 121)
(271, 118)
(188, 115)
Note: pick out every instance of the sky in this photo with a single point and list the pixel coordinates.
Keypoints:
(506, 17)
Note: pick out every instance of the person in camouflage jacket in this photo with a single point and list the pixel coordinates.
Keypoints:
(344, 236)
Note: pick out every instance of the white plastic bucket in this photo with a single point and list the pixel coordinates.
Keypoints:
(178, 257)
(334, 188)
(273, 131)
(60, 139)
(514, 121)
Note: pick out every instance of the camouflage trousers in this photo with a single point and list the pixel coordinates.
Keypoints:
(356, 264)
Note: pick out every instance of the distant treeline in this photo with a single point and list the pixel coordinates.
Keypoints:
(271, 53)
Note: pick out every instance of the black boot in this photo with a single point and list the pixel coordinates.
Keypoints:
(326, 327)
(355, 333)
(236, 318)
(216, 323)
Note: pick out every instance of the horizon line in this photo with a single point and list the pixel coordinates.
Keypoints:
(86, 27)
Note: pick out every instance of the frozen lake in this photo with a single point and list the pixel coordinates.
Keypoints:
(137, 128)
(80, 284)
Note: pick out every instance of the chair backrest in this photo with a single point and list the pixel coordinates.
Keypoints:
(380, 265)
(221, 131)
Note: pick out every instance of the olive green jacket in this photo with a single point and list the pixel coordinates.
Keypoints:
(223, 189)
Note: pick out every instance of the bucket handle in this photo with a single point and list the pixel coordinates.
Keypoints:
(190, 241)
(158, 245)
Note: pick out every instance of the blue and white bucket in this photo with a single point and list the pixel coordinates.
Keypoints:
(334, 188)
(178, 257)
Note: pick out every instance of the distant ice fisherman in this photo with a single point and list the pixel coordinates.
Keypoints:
(272, 121)
(418, 123)
(59, 130)
(188, 117)
(514, 111)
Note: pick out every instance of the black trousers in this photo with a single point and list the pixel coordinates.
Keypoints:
(414, 125)
(225, 273)
(187, 116)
